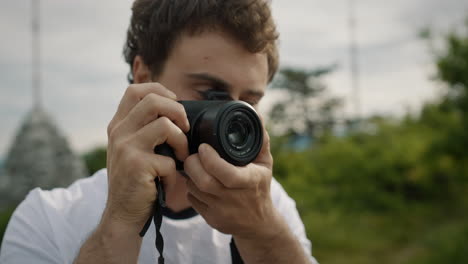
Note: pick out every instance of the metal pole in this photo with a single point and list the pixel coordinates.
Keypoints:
(36, 56)
(353, 50)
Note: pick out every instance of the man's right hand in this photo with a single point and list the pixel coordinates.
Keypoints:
(148, 115)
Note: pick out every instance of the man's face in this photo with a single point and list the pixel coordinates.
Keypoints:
(214, 60)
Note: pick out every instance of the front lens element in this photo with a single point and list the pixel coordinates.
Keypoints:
(237, 133)
(240, 133)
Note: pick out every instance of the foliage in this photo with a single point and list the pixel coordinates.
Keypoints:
(95, 159)
(307, 108)
(394, 190)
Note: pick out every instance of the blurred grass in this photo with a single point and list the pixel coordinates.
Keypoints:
(415, 235)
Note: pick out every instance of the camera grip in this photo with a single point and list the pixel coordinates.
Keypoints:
(166, 150)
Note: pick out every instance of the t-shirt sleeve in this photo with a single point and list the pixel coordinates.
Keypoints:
(29, 237)
(287, 208)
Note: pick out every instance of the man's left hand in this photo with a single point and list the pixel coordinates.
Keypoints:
(234, 200)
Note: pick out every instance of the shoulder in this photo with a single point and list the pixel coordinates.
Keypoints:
(280, 198)
(282, 201)
(83, 192)
(49, 225)
(85, 197)
(286, 206)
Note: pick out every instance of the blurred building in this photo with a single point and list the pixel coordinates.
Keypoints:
(40, 156)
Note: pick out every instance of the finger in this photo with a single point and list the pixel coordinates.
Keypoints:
(226, 173)
(149, 109)
(135, 93)
(201, 196)
(163, 167)
(198, 205)
(163, 130)
(197, 174)
(264, 156)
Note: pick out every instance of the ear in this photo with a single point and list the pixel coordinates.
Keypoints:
(141, 72)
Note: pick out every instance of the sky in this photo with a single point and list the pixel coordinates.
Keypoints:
(84, 74)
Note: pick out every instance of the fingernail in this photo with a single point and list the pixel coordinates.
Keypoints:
(172, 95)
(202, 149)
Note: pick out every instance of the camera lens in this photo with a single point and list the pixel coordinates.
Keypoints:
(240, 133)
(232, 128)
(237, 133)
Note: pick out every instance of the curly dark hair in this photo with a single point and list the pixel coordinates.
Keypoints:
(156, 24)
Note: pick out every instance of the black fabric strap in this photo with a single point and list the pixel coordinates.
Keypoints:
(235, 256)
(157, 215)
(157, 218)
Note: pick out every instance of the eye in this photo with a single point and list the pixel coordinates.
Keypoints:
(203, 88)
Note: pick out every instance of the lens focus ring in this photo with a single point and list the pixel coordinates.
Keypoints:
(240, 133)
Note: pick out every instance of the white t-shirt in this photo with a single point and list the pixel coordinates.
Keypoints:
(51, 226)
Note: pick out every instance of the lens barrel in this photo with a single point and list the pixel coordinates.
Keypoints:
(232, 128)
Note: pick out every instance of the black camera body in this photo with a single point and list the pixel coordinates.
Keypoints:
(232, 128)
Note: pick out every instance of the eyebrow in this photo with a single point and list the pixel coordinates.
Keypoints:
(221, 84)
(217, 82)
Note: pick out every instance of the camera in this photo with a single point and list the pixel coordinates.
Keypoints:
(232, 128)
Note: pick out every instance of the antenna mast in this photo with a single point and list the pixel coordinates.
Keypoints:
(36, 56)
(353, 51)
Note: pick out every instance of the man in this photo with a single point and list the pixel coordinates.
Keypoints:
(217, 213)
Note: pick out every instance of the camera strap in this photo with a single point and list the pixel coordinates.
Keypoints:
(156, 216)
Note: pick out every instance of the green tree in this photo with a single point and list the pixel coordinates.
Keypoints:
(452, 68)
(95, 159)
(395, 190)
(307, 108)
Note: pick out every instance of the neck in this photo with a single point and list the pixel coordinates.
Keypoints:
(176, 198)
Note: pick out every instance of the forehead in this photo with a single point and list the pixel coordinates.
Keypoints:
(218, 54)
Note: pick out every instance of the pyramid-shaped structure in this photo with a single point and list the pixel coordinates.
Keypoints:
(40, 156)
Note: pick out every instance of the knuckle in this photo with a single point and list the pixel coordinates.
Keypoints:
(270, 158)
(258, 178)
(158, 86)
(132, 91)
(209, 165)
(266, 138)
(120, 148)
(205, 185)
(132, 159)
(152, 97)
(152, 102)
(164, 123)
(170, 163)
(110, 127)
(111, 133)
